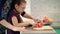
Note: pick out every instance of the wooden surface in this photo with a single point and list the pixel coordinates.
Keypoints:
(44, 28)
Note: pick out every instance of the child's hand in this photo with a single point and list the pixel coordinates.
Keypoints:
(37, 20)
(34, 25)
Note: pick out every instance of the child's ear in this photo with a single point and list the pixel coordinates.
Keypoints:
(16, 6)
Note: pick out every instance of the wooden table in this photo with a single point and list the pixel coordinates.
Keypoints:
(43, 30)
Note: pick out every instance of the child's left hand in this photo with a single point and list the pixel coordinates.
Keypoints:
(37, 20)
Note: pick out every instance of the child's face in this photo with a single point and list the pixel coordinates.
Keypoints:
(20, 8)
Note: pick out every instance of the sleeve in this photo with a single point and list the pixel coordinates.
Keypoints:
(1, 15)
(0, 18)
(2, 2)
(1, 5)
(23, 13)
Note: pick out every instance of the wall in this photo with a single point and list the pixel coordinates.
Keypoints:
(27, 9)
(50, 8)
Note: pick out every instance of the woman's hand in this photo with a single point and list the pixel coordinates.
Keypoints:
(21, 29)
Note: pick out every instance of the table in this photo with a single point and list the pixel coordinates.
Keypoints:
(31, 31)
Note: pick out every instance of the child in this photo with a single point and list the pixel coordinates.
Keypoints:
(17, 9)
(3, 13)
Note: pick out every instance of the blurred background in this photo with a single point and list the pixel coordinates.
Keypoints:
(41, 8)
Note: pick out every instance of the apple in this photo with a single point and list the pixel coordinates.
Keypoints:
(40, 25)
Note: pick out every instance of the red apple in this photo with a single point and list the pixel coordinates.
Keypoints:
(40, 25)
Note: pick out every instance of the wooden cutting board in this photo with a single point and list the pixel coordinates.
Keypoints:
(44, 28)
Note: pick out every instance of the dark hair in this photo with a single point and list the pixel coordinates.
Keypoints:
(18, 2)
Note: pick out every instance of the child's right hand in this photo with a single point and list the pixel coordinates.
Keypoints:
(34, 25)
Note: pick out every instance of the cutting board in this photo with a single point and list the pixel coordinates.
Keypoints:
(44, 28)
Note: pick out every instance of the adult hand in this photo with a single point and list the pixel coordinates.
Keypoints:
(21, 29)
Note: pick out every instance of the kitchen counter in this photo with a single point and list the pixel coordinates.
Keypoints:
(42, 31)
